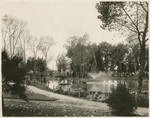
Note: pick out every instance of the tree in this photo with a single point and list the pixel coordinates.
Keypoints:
(133, 58)
(13, 76)
(91, 61)
(39, 67)
(34, 46)
(62, 63)
(119, 52)
(46, 42)
(23, 41)
(11, 32)
(76, 51)
(99, 62)
(113, 56)
(106, 52)
(129, 17)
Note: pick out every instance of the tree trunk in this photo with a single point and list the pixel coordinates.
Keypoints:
(3, 104)
(141, 71)
(135, 66)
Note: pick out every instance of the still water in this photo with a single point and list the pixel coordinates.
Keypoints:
(106, 86)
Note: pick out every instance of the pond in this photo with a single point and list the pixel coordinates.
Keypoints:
(104, 86)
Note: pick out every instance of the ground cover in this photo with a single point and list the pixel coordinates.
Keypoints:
(49, 108)
(63, 106)
(30, 96)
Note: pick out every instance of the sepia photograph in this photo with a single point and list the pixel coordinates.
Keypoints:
(74, 58)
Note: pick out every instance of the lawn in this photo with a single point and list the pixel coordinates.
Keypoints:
(41, 105)
(31, 96)
(15, 107)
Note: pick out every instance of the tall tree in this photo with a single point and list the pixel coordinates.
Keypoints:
(129, 17)
(23, 41)
(62, 63)
(99, 61)
(106, 52)
(76, 51)
(46, 42)
(34, 46)
(11, 32)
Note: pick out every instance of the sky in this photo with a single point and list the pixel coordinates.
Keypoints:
(61, 19)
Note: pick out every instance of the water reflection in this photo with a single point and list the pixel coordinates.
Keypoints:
(106, 86)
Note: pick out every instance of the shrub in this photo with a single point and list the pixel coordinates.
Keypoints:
(121, 102)
(13, 76)
(75, 94)
(99, 92)
(65, 93)
(143, 100)
(83, 94)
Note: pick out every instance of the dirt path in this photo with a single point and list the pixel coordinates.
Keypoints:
(81, 102)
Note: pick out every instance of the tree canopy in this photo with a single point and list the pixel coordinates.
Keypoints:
(130, 18)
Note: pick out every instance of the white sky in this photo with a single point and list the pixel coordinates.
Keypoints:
(60, 19)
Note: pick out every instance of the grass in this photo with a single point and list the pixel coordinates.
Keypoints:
(31, 96)
(49, 108)
(39, 85)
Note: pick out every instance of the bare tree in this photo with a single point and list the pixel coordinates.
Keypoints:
(45, 45)
(34, 45)
(11, 32)
(23, 41)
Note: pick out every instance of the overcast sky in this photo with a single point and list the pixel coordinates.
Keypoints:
(60, 19)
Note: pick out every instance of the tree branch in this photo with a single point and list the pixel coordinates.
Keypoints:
(145, 29)
(146, 39)
(130, 18)
(143, 7)
(134, 25)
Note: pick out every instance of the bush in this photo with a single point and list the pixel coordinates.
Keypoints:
(65, 93)
(121, 102)
(39, 85)
(74, 94)
(143, 100)
(83, 94)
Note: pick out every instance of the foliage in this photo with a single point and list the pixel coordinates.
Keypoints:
(76, 51)
(106, 52)
(38, 66)
(109, 12)
(131, 18)
(121, 102)
(100, 66)
(102, 57)
(13, 75)
(62, 63)
(143, 100)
